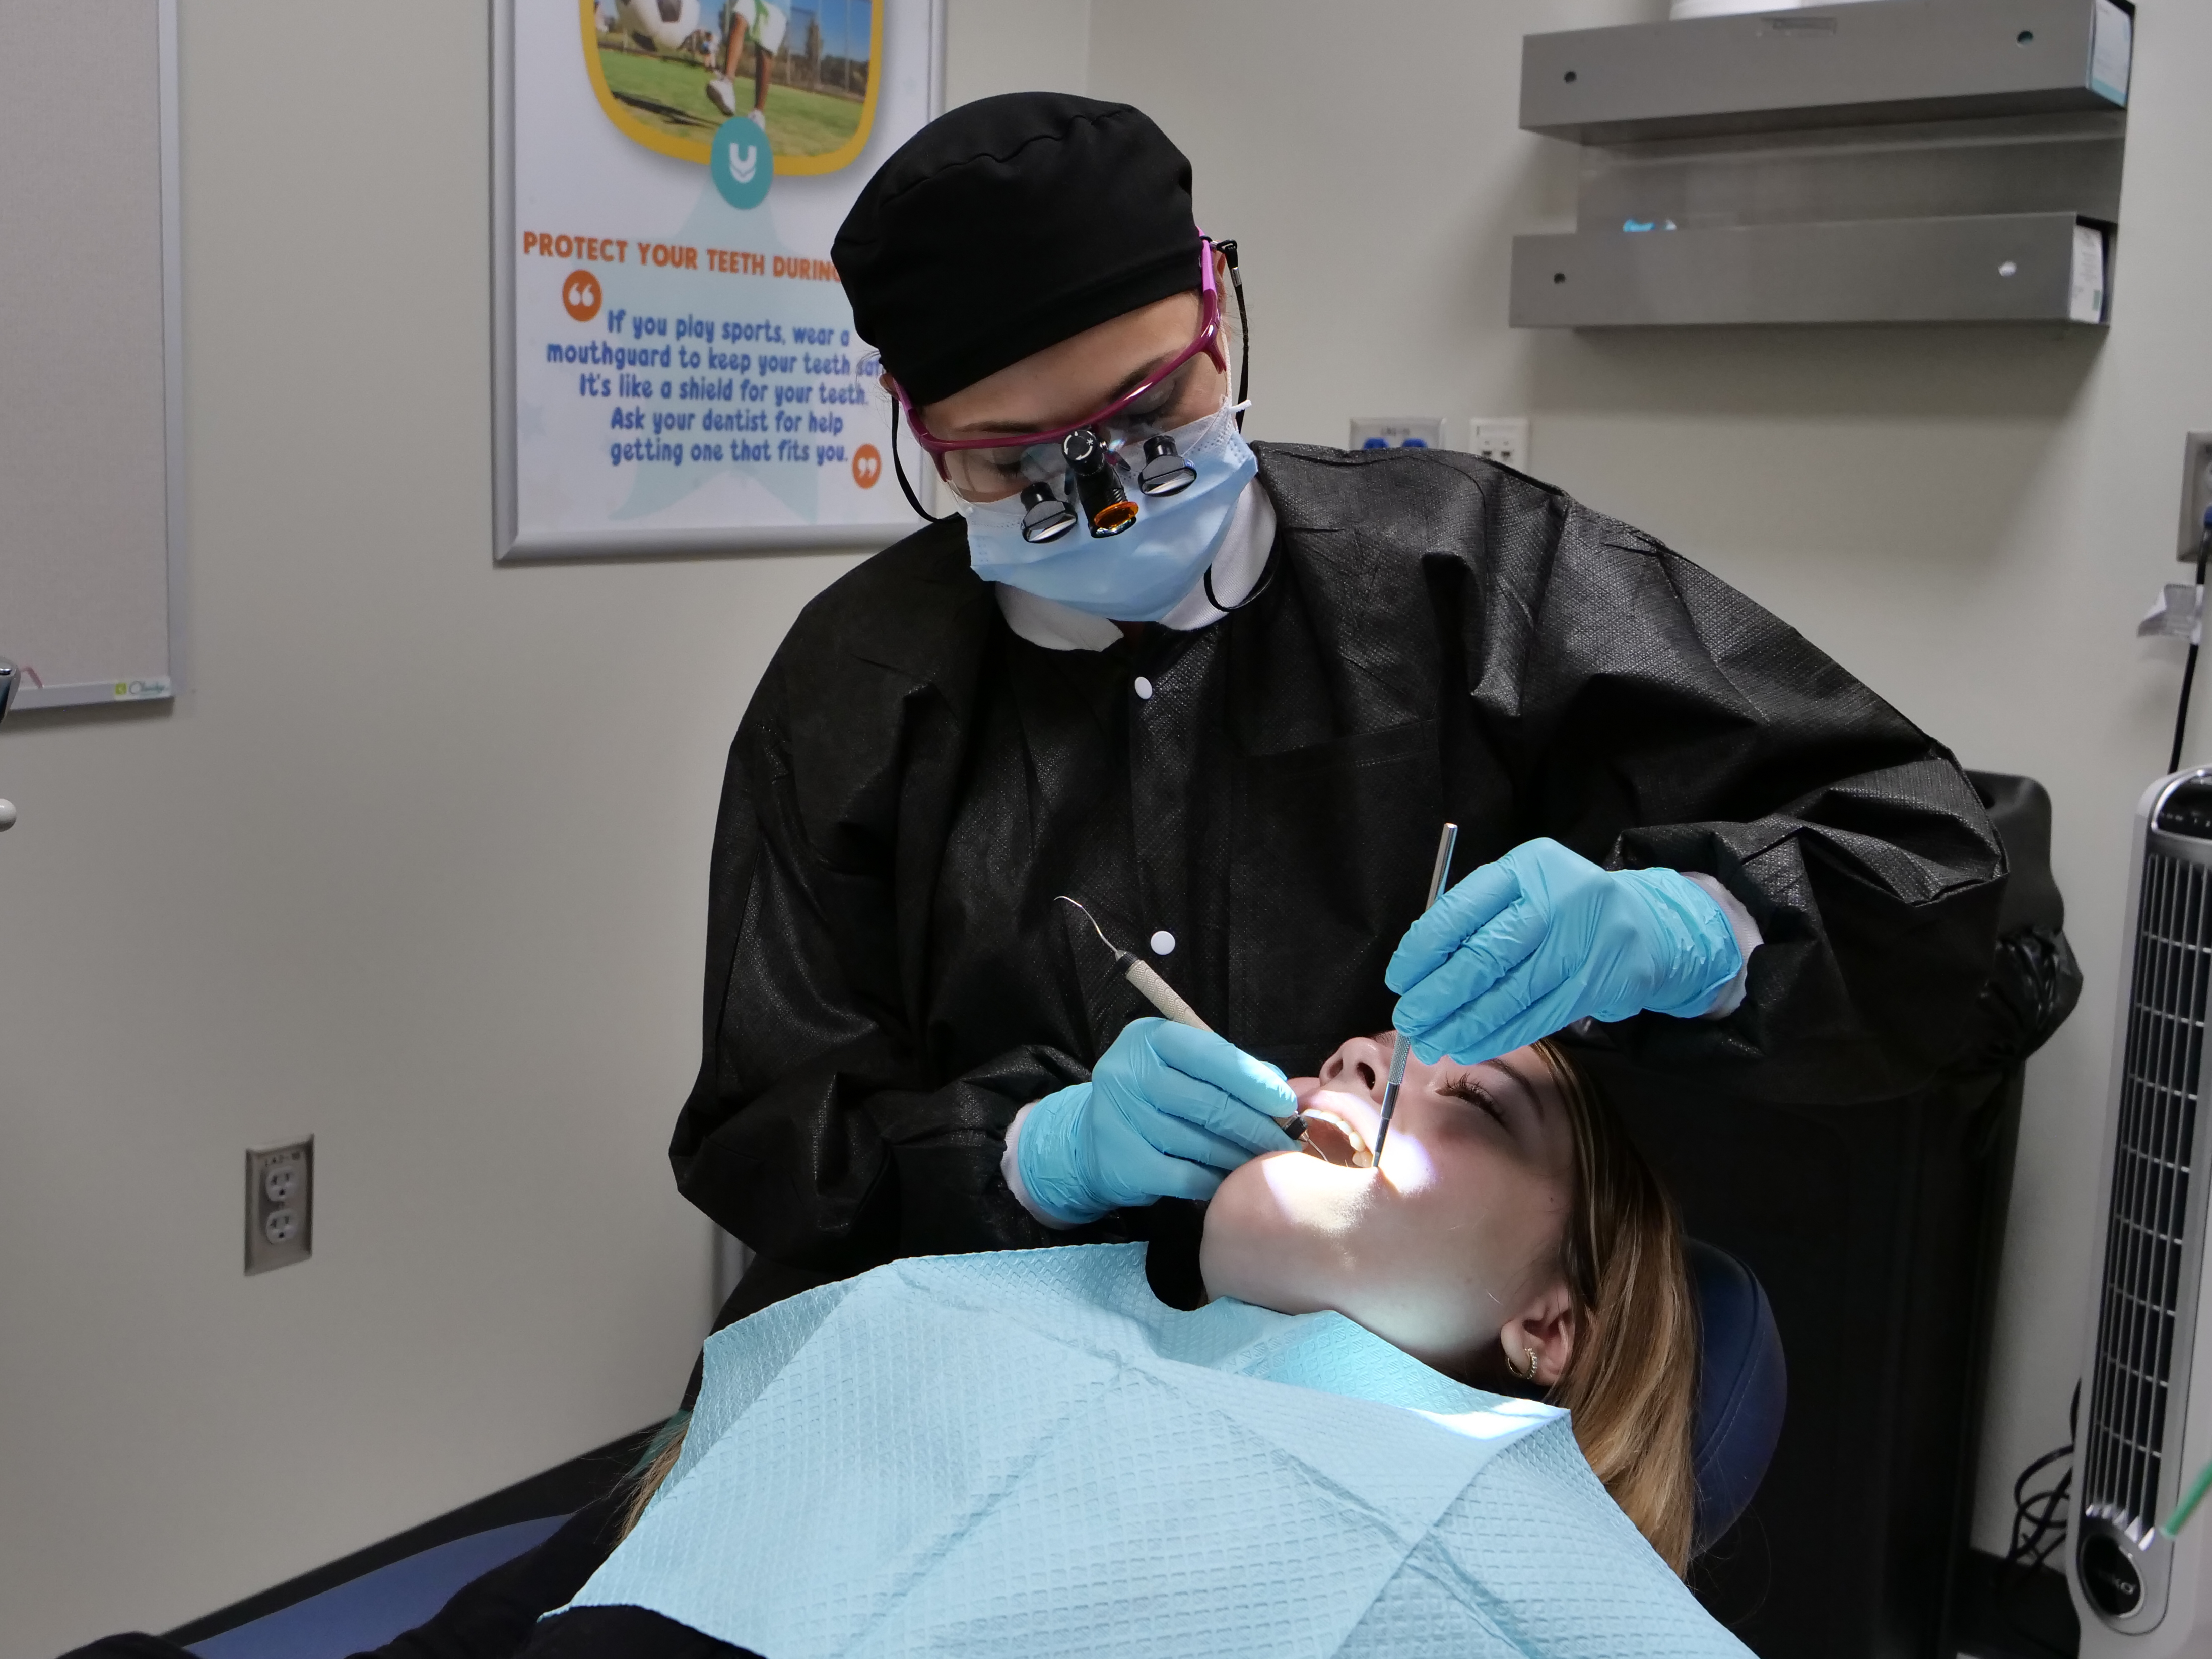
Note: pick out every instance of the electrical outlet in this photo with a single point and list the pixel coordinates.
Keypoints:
(1505, 440)
(2196, 493)
(1397, 432)
(280, 1204)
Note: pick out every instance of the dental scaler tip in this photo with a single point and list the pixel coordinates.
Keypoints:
(1163, 996)
(1399, 1047)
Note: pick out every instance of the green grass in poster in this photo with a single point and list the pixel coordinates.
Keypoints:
(671, 94)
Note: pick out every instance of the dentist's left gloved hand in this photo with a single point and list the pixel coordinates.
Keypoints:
(1168, 1112)
(1542, 937)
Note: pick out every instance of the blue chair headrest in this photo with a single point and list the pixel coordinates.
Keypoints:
(1743, 1387)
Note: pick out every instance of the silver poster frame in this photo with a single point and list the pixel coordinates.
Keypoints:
(510, 543)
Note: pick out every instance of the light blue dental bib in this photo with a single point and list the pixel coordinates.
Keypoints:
(1027, 1454)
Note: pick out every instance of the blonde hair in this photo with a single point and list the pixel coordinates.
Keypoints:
(1632, 1381)
(655, 1467)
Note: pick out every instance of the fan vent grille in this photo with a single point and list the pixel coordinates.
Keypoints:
(2146, 1249)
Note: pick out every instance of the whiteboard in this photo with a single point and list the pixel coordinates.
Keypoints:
(91, 400)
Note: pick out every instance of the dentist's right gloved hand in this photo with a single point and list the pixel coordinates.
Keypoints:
(1542, 937)
(1168, 1112)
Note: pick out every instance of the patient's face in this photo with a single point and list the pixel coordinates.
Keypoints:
(1437, 1249)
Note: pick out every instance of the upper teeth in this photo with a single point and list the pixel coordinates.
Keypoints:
(1362, 1157)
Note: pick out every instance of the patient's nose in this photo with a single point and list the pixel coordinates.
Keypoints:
(1359, 1064)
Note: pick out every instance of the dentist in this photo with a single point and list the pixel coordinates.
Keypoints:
(1225, 693)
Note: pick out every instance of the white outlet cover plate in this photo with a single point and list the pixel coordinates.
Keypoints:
(1398, 432)
(1501, 438)
(2196, 493)
(267, 1248)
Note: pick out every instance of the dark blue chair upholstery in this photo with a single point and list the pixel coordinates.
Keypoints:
(369, 1611)
(1743, 1386)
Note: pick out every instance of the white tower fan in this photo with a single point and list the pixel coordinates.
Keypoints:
(2144, 1430)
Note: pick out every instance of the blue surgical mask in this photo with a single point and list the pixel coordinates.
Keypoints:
(1140, 574)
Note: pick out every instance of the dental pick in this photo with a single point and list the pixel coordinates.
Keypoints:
(1163, 996)
(1400, 1048)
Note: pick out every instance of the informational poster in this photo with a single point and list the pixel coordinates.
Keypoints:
(675, 369)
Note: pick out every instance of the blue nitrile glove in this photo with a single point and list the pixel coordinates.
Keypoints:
(1169, 1110)
(1542, 937)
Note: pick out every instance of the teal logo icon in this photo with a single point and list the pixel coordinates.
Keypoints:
(743, 165)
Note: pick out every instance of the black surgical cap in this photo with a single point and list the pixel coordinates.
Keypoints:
(1009, 224)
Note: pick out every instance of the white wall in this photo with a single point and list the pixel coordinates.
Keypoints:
(417, 863)
(1973, 521)
(1015, 45)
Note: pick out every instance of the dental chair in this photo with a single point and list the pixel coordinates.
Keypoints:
(1741, 1388)
(1876, 1229)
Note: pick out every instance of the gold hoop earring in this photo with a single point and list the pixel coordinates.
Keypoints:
(1531, 1377)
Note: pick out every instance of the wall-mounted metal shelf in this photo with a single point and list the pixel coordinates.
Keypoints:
(1891, 161)
(1999, 267)
(1900, 60)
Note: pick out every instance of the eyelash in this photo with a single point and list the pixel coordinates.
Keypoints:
(1470, 1091)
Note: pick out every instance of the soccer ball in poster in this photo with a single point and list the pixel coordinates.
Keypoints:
(667, 23)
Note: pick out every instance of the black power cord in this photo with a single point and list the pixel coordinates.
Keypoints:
(2039, 1528)
(1228, 251)
(2196, 635)
(915, 500)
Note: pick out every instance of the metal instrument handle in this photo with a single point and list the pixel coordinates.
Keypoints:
(1447, 844)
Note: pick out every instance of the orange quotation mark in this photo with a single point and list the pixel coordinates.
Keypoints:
(868, 466)
(580, 294)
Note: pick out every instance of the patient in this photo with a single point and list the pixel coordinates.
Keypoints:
(1515, 1240)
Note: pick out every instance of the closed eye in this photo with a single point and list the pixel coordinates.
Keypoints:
(1468, 1087)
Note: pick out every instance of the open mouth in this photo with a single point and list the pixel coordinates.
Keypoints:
(1333, 1137)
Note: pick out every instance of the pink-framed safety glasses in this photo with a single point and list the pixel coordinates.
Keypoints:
(1001, 471)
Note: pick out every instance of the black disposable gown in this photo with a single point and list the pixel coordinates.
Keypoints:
(889, 977)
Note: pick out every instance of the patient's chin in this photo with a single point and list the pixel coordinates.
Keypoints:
(1265, 1223)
